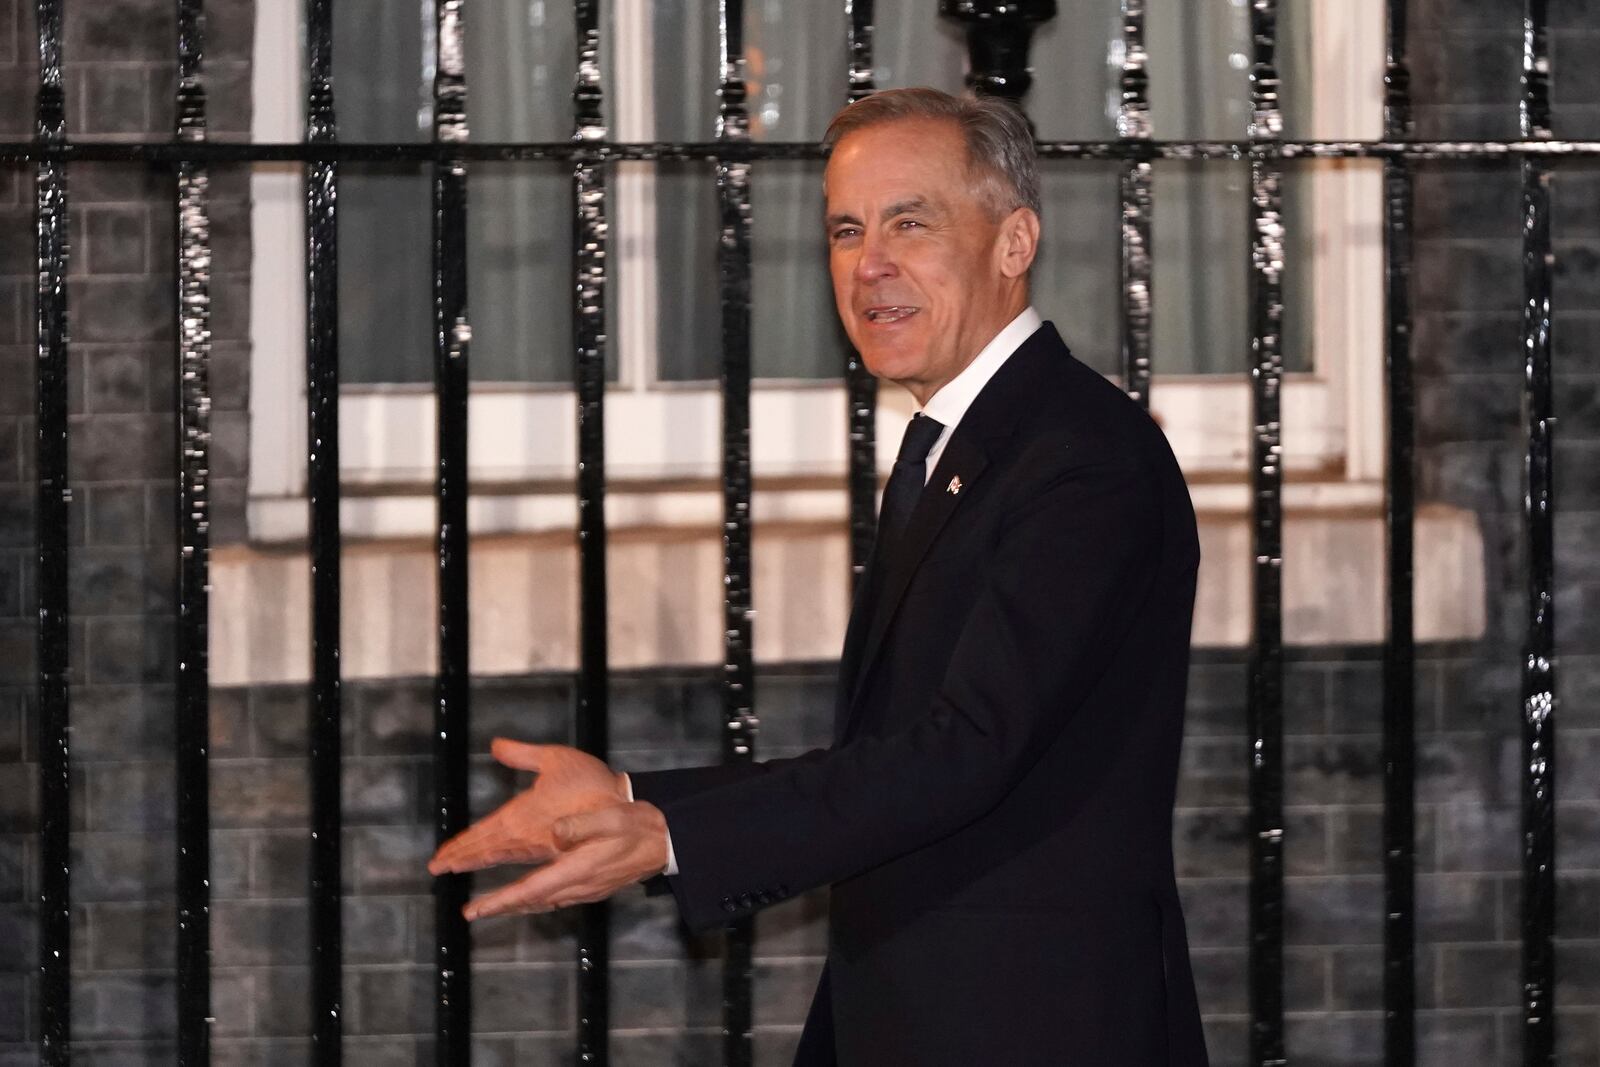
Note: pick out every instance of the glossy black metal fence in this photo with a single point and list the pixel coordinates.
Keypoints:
(1538, 669)
(738, 668)
(999, 33)
(860, 385)
(589, 317)
(51, 537)
(322, 489)
(192, 728)
(1399, 671)
(1265, 703)
(452, 336)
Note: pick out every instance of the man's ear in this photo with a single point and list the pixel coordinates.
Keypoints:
(1019, 242)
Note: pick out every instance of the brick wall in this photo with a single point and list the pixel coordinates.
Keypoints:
(666, 987)
(119, 82)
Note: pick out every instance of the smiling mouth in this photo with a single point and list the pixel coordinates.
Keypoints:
(882, 316)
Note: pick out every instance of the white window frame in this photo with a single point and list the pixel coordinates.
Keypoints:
(663, 440)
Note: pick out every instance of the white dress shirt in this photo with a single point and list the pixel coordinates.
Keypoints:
(948, 406)
(953, 399)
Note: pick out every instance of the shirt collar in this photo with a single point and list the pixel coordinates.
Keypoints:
(953, 399)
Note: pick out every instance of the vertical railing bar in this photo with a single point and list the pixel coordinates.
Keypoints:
(322, 467)
(590, 226)
(1539, 650)
(1399, 662)
(861, 388)
(1133, 123)
(194, 547)
(738, 672)
(51, 546)
(1265, 700)
(452, 336)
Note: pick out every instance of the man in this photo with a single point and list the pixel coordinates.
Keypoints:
(994, 815)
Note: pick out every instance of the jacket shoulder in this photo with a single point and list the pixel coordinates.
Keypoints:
(1074, 413)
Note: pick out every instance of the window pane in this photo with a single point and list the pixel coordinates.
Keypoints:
(1076, 278)
(1200, 90)
(520, 70)
(683, 104)
(1074, 85)
(796, 78)
(799, 76)
(1200, 68)
(520, 65)
(385, 245)
(913, 45)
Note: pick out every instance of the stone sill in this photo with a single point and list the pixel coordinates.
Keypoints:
(665, 579)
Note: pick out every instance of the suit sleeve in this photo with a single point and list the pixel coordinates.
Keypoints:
(1073, 564)
(665, 787)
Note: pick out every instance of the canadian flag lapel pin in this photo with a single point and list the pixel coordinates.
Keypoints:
(954, 488)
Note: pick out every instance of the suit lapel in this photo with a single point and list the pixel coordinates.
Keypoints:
(964, 458)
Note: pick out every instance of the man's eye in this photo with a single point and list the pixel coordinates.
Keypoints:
(907, 224)
(844, 233)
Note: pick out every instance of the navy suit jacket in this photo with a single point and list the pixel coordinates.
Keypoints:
(995, 813)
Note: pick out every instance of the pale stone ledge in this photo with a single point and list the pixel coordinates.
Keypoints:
(665, 575)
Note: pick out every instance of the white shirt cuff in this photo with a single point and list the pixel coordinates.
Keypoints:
(672, 859)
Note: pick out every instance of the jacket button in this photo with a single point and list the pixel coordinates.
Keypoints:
(764, 897)
(746, 901)
(728, 905)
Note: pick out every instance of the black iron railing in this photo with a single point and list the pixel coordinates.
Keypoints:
(1399, 660)
(998, 33)
(322, 488)
(55, 495)
(589, 337)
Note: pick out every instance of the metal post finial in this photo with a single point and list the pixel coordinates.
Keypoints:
(999, 34)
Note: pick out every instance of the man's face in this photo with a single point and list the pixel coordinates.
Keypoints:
(922, 275)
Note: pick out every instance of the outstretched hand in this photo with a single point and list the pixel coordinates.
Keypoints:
(601, 852)
(521, 830)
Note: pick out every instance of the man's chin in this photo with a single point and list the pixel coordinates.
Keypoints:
(890, 362)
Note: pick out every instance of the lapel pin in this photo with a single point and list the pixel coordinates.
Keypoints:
(955, 486)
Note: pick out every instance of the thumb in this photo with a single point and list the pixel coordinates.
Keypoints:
(517, 755)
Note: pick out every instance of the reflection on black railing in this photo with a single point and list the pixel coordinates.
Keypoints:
(1133, 123)
(451, 338)
(51, 538)
(591, 231)
(1538, 662)
(194, 540)
(1265, 702)
(680, 151)
(738, 670)
(861, 387)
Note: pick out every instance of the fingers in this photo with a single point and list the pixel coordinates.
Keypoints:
(492, 839)
(485, 833)
(518, 755)
(490, 854)
(566, 881)
(467, 841)
(602, 851)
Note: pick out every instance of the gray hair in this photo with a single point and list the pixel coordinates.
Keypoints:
(1000, 151)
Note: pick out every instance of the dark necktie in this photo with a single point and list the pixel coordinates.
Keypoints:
(907, 479)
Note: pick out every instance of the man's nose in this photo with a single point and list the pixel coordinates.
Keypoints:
(875, 262)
